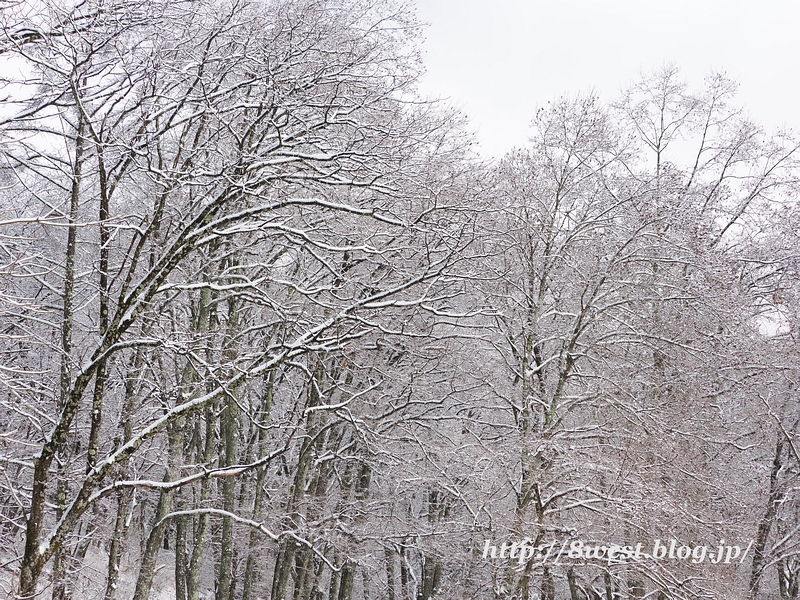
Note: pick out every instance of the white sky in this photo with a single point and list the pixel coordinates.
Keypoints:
(498, 60)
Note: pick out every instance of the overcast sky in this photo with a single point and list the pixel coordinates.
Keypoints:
(498, 60)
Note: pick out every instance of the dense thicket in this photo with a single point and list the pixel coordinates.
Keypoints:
(268, 328)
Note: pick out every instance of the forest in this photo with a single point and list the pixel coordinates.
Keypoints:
(272, 328)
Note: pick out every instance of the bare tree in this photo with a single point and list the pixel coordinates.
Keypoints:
(241, 154)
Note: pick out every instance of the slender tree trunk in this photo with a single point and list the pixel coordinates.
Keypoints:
(609, 585)
(150, 556)
(230, 438)
(251, 570)
(365, 583)
(405, 577)
(131, 380)
(336, 578)
(100, 377)
(181, 558)
(67, 323)
(147, 569)
(117, 540)
(548, 585)
(280, 579)
(304, 568)
(346, 585)
(391, 593)
(774, 498)
(60, 557)
(574, 592)
(788, 581)
(125, 495)
(201, 521)
(205, 454)
(286, 554)
(431, 578)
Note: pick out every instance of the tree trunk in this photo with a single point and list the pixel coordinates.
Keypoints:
(181, 558)
(405, 576)
(609, 585)
(286, 553)
(251, 571)
(230, 437)
(775, 496)
(200, 530)
(574, 592)
(431, 578)
(230, 423)
(125, 495)
(336, 579)
(548, 585)
(346, 586)
(391, 593)
(150, 557)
